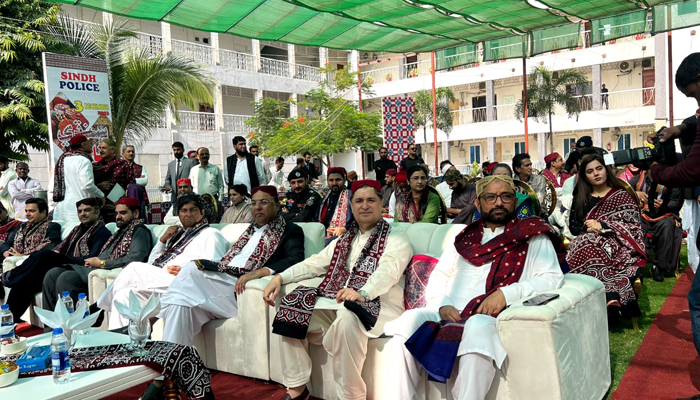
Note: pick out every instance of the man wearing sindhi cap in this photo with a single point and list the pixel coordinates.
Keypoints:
(357, 296)
(206, 289)
(335, 213)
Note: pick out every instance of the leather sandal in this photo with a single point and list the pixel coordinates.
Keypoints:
(303, 396)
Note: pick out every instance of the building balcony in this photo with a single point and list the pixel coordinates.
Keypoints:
(199, 52)
(151, 43)
(207, 122)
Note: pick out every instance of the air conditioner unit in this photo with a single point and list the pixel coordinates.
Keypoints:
(364, 56)
(482, 85)
(647, 63)
(625, 67)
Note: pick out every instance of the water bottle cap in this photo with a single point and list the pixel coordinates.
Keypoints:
(81, 296)
(57, 331)
(4, 307)
(66, 293)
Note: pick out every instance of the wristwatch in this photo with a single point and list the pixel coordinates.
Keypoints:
(363, 294)
(102, 264)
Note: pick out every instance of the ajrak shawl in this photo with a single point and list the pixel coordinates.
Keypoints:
(550, 177)
(340, 214)
(30, 238)
(116, 171)
(7, 227)
(293, 317)
(435, 344)
(79, 242)
(613, 260)
(178, 242)
(263, 251)
(122, 239)
(59, 180)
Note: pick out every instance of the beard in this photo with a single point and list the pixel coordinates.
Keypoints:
(498, 218)
(241, 153)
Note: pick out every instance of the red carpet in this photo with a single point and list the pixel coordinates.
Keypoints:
(666, 365)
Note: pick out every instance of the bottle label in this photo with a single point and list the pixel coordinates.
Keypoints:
(60, 360)
(10, 334)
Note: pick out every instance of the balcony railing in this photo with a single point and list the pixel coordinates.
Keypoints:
(468, 116)
(197, 121)
(152, 43)
(307, 73)
(381, 75)
(198, 52)
(236, 60)
(275, 67)
(628, 98)
(417, 69)
(504, 112)
(235, 123)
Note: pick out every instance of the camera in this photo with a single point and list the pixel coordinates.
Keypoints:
(642, 157)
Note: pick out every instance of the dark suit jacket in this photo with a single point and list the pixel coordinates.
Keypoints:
(53, 233)
(290, 250)
(172, 177)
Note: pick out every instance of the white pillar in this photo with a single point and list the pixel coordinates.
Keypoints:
(541, 146)
(256, 53)
(167, 48)
(446, 150)
(661, 84)
(291, 59)
(353, 58)
(293, 109)
(214, 42)
(219, 108)
(489, 101)
(597, 82)
(491, 149)
(598, 137)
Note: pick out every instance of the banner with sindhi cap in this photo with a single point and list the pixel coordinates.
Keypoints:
(78, 101)
(399, 128)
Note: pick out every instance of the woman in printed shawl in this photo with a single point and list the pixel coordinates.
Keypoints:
(608, 243)
(422, 203)
(240, 210)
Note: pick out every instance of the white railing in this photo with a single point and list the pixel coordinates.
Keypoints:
(236, 60)
(629, 98)
(504, 112)
(274, 67)
(197, 121)
(586, 103)
(198, 52)
(152, 43)
(163, 123)
(308, 73)
(381, 75)
(468, 116)
(417, 69)
(236, 123)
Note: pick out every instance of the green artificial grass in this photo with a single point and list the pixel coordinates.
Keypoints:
(624, 340)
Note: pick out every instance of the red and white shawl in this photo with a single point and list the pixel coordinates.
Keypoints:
(267, 245)
(614, 259)
(59, 179)
(30, 238)
(79, 242)
(177, 243)
(340, 214)
(7, 227)
(293, 317)
(122, 239)
(552, 178)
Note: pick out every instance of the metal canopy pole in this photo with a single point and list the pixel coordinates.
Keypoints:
(432, 72)
(527, 141)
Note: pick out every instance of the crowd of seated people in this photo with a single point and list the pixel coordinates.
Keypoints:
(359, 295)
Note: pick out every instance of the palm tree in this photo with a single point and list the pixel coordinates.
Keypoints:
(143, 85)
(545, 91)
(423, 115)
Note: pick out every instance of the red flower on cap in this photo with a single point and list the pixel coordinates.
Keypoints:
(271, 190)
(128, 201)
(366, 182)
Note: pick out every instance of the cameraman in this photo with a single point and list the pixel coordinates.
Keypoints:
(687, 172)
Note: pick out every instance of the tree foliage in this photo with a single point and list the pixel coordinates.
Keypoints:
(334, 125)
(22, 102)
(423, 115)
(544, 92)
(143, 85)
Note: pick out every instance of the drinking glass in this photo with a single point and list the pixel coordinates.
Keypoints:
(138, 333)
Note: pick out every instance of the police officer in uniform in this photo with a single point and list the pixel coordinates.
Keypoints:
(302, 201)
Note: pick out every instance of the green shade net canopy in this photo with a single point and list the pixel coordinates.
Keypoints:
(397, 26)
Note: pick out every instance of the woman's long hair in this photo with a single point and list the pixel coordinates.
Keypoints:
(240, 189)
(583, 188)
(423, 203)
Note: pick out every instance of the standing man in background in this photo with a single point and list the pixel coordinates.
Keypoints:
(136, 190)
(7, 175)
(604, 96)
(73, 179)
(412, 159)
(311, 169)
(22, 189)
(255, 150)
(383, 165)
(206, 177)
(177, 169)
(243, 168)
(277, 175)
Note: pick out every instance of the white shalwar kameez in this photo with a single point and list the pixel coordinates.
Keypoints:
(336, 328)
(455, 281)
(196, 297)
(79, 184)
(145, 278)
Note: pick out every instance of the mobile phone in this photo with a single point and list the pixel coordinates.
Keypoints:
(541, 299)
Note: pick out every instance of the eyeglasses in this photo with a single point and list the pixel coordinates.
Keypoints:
(261, 203)
(490, 198)
(412, 148)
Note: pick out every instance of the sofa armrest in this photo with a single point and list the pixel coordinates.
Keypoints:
(11, 263)
(98, 280)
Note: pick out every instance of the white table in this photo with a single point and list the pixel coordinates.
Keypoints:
(86, 385)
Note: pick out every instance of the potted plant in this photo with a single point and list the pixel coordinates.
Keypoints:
(413, 72)
(388, 77)
(369, 80)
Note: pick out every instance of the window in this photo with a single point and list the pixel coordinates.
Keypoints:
(623, 143)
(475, 154)
(519, 147)
(569, 144)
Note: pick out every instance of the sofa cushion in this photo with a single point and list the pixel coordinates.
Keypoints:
(417, 275)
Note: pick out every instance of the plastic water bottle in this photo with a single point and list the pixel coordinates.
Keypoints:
(83, 300)
(60, 360)
(6, 318)
(66, 299)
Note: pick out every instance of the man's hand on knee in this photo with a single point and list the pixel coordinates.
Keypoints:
(173, 269)
(493, 304)
(449, 313)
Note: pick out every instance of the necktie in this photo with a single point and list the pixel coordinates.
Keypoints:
(177, 173)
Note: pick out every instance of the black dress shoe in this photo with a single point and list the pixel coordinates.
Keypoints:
(303, 396)
(656, 274)
(154, 392)
(98, 321)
